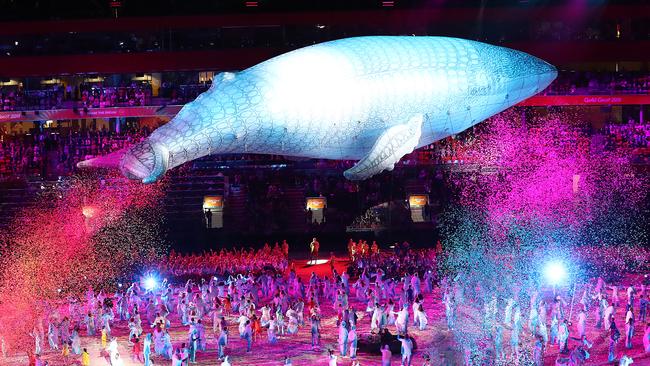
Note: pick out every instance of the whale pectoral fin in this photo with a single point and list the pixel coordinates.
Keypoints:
(389, 148)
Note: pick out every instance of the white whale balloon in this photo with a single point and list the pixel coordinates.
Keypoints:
(372, 99)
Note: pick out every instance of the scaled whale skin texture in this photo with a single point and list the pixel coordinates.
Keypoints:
(372, 99)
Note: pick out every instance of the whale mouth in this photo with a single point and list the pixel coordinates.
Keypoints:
(146, 161)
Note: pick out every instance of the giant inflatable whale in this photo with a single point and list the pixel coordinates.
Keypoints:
(372, 99)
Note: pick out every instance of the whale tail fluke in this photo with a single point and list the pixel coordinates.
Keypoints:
(110, 161)
(146, 161)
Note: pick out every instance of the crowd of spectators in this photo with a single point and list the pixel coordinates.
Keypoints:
(632, 135)
(98, 96)
(180, 93)
(451, 150)
(13, 98)
(52, 154)
(604, 30)
(600, 83)
(459, 150)
(226, 262)
(9, 99)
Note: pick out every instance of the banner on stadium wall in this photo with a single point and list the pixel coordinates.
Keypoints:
(212, 202)
(569, 100)
(64, 114)
(418, 200)
(316, 203)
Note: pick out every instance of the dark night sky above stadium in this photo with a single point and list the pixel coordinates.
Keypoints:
(72, 9)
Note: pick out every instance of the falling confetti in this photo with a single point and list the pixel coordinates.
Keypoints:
(538, 193)
(90, 233)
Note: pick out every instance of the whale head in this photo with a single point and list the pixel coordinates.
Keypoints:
(520, 74)
(498, 79)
